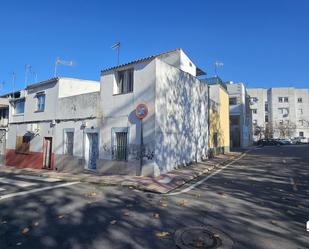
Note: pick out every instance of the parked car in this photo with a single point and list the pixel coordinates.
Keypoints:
(300, 140)
(267, 142)
(284, 141)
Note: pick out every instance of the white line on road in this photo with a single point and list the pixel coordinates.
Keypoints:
(206, 178)
(39, 178)
(17, 183)
(2, 189)
(36, 190)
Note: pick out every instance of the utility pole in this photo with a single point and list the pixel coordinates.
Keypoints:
(217, 65)
(13, 81)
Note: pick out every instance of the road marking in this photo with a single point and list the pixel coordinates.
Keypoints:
(39, 178)
(17, 183)
(2, 189)
(36, 190)
(206, 178)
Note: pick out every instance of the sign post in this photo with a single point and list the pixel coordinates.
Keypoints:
(141, 112)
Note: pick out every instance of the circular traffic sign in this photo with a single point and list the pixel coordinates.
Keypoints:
(141, 111)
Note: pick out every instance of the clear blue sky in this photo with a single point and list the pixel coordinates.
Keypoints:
(262, 43)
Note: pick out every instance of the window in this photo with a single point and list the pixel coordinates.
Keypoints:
(120, 148)
(215, 140)
(286, 99)
(233, 101)
(266, 118)
(266, 107)
(69, 142)
(20, 106)
(254, 99)
(301, 134)
(254, 111)
(23, 144)
(284, 111)
(300, 100)
(124, 81)
(40, 102)
(280, 99)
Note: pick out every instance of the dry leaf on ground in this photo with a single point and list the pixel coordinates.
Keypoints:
(25, 230)
(156, 216)
(163, 234)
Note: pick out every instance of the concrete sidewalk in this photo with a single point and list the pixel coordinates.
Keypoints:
(162, 184)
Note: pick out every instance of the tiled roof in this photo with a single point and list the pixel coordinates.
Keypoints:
(140, 60)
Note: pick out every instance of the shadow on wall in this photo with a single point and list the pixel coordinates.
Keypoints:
(181, 121)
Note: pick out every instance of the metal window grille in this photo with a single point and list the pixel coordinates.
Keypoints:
(69, 142)
(120, 149)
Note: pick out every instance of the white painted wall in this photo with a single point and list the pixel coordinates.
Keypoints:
(181, 118)
(71, 86)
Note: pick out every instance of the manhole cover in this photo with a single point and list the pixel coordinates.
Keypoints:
(202, 238)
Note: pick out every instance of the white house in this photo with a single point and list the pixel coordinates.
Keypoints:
(175, 129)
(48, 121)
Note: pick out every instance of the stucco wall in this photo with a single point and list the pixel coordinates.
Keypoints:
(71, 86)
(181, 118)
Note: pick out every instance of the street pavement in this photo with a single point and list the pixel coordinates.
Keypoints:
(259, 201)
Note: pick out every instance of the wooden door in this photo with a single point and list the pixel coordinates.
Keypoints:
(47, 153)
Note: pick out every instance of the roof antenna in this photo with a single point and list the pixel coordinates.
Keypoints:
(27, 71)
(217, 65)
(117, 46)
(62, 62)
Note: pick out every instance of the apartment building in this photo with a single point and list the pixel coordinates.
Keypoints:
(240, 115)
(175, 130)
(280, 112)
(48, 122)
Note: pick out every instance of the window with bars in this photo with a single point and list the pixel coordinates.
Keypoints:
(69, 142)
(120, 147)
(124, 81)
(233, 101)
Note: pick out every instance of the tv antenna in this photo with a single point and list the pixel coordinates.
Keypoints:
(117, 46)
(28, 68)
(217, 65)
(61, 62)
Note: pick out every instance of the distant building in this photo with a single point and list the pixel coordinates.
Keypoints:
(219, 120)
(240, 115)
(280, 112)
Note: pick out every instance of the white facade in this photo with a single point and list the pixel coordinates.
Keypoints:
(287, 107)
(175, 129)
(44, 123)
(240, 115)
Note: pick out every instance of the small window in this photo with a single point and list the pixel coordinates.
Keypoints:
(286, 99)
(301, 134)
(254, 111)
(266, 118)
(300, 100)
(124, 81)
(69, 142)
(23, 144)
(20, 106)
(280, 99)
(120, 149)
(233, 101)
(40, 102)
(266, 107)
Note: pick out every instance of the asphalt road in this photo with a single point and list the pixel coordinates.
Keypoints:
(260, 201)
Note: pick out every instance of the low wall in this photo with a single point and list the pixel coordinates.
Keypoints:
(32, 160)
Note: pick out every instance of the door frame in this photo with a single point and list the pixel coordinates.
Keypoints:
(50, 152)
(86, 148)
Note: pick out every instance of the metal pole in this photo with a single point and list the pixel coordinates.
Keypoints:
(56, 64)
(208, 117)
(139, 171)
(118, 55)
